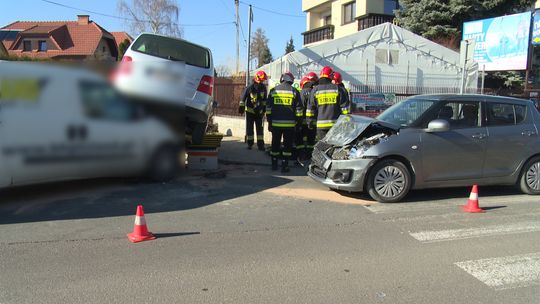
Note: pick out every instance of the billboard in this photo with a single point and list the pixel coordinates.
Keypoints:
(501, 43)
(535, 39)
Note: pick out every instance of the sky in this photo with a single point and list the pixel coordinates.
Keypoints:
(280, 19)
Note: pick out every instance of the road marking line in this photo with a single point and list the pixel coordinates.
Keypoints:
(466, 233)
(505, 272)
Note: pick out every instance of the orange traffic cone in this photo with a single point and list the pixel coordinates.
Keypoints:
(472, 205)
(140, 231)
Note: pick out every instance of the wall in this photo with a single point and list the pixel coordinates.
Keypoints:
(237, 125)
(103, 55)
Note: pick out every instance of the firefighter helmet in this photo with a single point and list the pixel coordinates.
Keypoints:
(260, 76)
(304, 81)
(287, 77)
(326, 72)
(337, 78)
(312, 76)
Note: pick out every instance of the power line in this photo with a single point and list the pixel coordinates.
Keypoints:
(130, 19)
(271, 11)
(228, 8)
(243, 35)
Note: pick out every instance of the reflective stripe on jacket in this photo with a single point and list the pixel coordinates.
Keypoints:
(283, 107)
(254, 98)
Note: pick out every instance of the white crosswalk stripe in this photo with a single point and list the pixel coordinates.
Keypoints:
(465, 233)
(505, 272)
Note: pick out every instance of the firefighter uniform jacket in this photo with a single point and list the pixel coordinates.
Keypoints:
(254, 98)
(305, 94)
(326, 103)
(284, 106)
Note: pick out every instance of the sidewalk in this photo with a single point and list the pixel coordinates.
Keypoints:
(233, 150)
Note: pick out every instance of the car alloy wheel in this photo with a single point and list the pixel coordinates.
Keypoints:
(532, 177)
(529, 181)
(389, 182)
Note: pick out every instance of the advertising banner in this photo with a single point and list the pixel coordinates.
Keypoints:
(501, 43)
(535, 39)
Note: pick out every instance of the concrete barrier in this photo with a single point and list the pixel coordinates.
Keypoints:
(237, 125)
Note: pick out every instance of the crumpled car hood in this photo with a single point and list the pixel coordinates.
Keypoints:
(349, 127)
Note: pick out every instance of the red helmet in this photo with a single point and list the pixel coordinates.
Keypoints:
(337, 78)
(304, 81)
(260, 76)
(312, 76)
(326, 72)
(287, 77)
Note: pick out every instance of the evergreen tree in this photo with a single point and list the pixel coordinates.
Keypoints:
(289, 48)
(260, 49)
(122, 47)
(442, 20)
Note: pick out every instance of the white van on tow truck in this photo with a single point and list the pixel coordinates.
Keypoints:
(60, 123)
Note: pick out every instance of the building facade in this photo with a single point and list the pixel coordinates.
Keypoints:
(331, 19)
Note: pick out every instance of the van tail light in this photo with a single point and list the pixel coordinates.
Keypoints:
(124, 67)
(206, 85)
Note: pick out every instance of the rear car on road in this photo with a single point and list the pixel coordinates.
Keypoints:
(59, 123)
(172, 77)
(432, 141)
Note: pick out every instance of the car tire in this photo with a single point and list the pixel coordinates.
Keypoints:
(165, 164)
(388, 181)
(197, 134)
(529, 182)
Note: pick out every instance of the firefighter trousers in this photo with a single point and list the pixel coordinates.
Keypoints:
(257, 120)
(288, 138)
(304, 139)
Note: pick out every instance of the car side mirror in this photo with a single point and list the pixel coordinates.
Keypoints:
(438, 125)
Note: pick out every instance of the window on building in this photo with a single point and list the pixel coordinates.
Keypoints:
(349, 12)
(27, 46)
(42, 46)
(390, 6)
(104, 49)
(327, 20)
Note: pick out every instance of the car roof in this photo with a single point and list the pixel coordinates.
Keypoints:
(487, 98)
(170, 37)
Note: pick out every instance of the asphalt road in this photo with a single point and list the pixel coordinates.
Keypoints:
(247, 236)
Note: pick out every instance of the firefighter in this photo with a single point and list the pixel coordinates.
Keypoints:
(338, 80)
(305, 136)
(253, 102)
(284, 112)
(326, 103)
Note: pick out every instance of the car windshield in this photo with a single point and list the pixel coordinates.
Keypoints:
(172, 49)
(406, 112)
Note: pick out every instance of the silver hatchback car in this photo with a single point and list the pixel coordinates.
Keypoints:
(432, 141)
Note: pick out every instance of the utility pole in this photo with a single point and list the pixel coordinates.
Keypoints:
(250, 19)
(236, 4)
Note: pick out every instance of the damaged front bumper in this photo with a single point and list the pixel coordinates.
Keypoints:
(347, 175)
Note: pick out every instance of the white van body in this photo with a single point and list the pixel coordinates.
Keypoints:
(60, 123)
(172, 76)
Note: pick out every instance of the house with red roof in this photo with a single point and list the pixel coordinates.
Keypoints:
(120, 37)
(68, 40)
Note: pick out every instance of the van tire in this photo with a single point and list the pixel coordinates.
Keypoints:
(164, 164)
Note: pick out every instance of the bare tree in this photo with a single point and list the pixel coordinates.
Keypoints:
(156, 16)
(223, 71)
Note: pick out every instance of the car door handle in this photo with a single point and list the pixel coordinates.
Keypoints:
(479, 136)
(528, 133)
